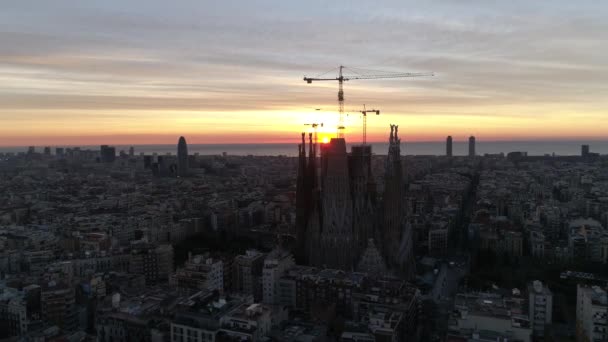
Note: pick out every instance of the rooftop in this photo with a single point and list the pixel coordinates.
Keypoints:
(492, 305)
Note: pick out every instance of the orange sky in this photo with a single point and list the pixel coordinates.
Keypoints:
(146, 73)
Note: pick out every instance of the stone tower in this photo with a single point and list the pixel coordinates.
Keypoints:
(395, 236)
(331, 231)
(338, 215)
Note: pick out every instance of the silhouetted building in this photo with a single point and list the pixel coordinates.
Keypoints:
(59, 151)
(584, 151)
(131, 152)
(162, 166)
(330, 233)
(338, 213)
(303, 201)
(107, 154)
(147, 162)
(396, 237)
(182, 157)
(471, 146)
(47, 150)
(363, 194)
(448, 146)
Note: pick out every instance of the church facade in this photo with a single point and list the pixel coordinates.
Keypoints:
(341, 220)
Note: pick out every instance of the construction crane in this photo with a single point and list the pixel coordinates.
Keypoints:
(315, 127)
(364, 113)
(341, 78)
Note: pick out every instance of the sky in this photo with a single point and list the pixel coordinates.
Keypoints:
(145, 72)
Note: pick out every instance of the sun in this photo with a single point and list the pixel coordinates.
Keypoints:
(324, 140)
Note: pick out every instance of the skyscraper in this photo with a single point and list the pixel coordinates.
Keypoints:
(182, 157)
(471, 146)
(448, 146)
(584, 150)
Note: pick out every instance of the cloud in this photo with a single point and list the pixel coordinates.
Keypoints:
(505, 60)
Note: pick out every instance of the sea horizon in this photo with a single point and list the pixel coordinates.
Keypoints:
(460, 148)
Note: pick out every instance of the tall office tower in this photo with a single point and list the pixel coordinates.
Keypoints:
(182, 157)
(448, 146)
(31, 150)
(47, 150)
(396, 237)
(59, 151)
(584, 150)
(107, 154)
(330, 224)
(131, 152)
(471, 146)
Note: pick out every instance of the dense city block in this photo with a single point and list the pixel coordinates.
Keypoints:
(331, 245)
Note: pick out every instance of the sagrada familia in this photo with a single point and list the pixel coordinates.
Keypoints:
(342, 221)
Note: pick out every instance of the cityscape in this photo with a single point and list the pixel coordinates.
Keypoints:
(330, 245)
(136, 205)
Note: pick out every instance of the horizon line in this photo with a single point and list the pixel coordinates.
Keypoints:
(296, 142)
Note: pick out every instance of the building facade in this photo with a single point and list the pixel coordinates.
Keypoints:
(540, 304)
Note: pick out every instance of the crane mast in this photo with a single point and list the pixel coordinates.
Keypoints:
(341, 78)
(341, 127)
(364, 113)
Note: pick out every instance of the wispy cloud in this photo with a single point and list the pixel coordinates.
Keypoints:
(112, 62)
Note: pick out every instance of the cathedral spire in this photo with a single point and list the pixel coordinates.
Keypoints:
(311, 146)
(304, 144)
(312, 165)
(395, 238)
(302, 201)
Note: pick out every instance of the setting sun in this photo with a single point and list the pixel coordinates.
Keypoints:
(324, 140)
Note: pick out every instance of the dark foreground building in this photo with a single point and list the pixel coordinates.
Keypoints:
(339, 215)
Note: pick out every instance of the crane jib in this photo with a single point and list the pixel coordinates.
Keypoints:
(359, 76)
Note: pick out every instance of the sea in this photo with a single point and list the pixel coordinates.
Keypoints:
(460, 148)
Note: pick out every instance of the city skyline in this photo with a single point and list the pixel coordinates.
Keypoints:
(278, 171)
(90, 74)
